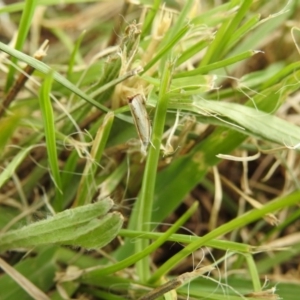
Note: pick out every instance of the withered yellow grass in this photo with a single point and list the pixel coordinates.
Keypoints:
(137, 105)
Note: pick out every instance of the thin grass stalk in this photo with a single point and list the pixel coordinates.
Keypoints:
(145, 200)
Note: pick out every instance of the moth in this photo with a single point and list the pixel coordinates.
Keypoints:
(137, 105)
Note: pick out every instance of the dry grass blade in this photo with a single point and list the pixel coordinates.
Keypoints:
(23, 77)
(176, 283)
(23, 282)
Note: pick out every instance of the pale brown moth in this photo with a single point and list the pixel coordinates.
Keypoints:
(137, 105)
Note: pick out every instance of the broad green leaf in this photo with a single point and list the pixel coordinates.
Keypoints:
(101, 232)
(66, 227)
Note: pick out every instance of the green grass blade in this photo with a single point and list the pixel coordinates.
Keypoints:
(15, 7)
(187, 239)
(283, 73)
(231, 29)
(216, 49)
(8, 125)
(217, 65)
(179, 24)
(75, 54)
(266, 27)
(12, 166)
(69, 179)
(25, 22)
(49, 128)
(167, 48)
(253, 273)
(150, 18)
(66, 40)
(190, 52)
(144, 204)
(245, 28)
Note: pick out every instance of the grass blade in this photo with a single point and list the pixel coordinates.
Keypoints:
(142, 219)
(25, 23)
(49, 127)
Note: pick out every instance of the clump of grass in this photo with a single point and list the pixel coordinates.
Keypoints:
(209, 210)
